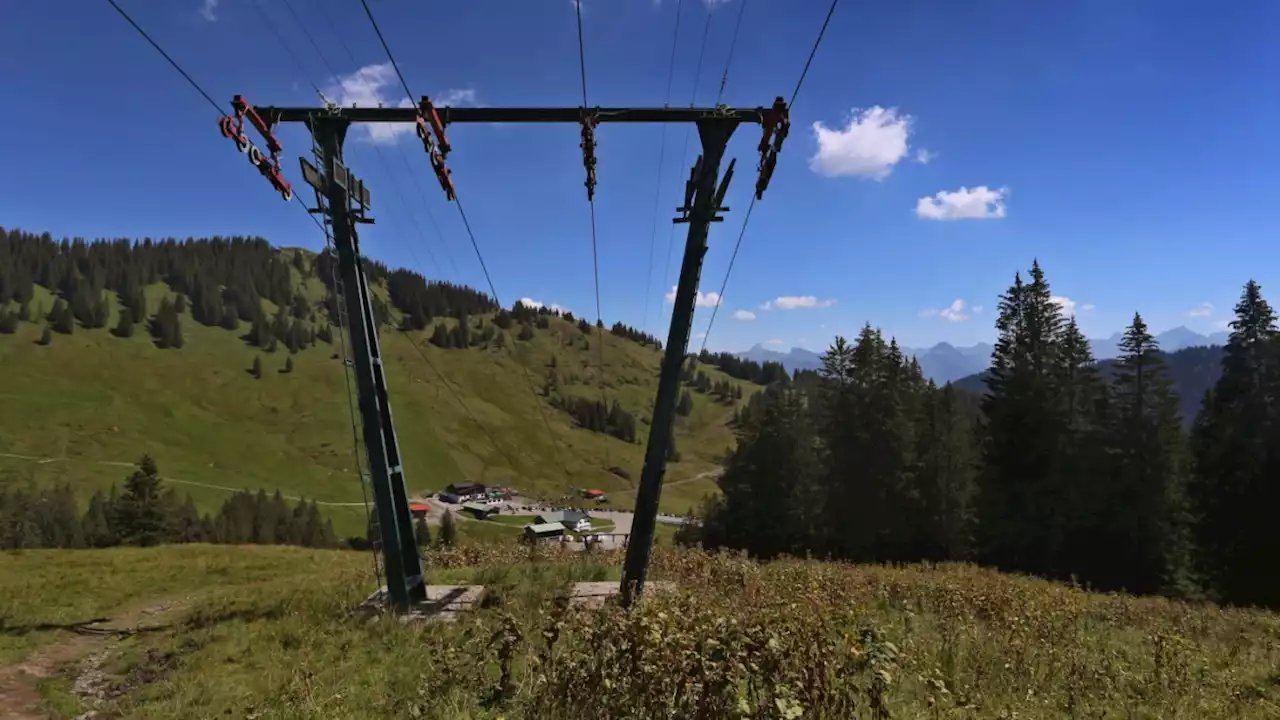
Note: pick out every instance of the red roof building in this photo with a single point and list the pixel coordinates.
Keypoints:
(418, 509)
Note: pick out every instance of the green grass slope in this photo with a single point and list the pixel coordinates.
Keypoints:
(85, 407)
(270, 632)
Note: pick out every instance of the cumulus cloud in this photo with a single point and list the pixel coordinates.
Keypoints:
(1067, 304)
(1202, 310)
(775, 342)
(797, 302)
(208, 10)
(873, 141)
(979, 203)
(1087, 307)
(745, 315)
(976, 309)
(924, 156)
(377, 86)
(534, 304)
(710, 299)
(955, 312)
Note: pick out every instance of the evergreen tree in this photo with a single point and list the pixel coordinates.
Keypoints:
(422, 533)
(1150, 551)
(288, 365)
(24, 310)
(1023, 493)
(441, 337)
(62, 318)
(124, 326)
(257, 368)
(685, 406)
(140, 517)
(46, 336)
(1236, 460)
(768, 502)
(448, 529)
(8, 322)
(525, 334)
(98, 525)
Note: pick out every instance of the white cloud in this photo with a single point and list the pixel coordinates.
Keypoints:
(1202, 310)
(534, 304)
(775, 341)
(1224, 324)
(954, 312)
(207, 9)
(870, 145)
(976, 309)
(713, 4)
(703, 300)
(1088, 307)
(796, 302)
(924, 156)
(745, 315)
(1067, 304)
(377, 86)
(979, 203)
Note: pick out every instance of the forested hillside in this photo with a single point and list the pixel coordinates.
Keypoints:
(220, 358)
(1061, 468)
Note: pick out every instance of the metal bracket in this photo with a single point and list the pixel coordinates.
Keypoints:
(589, 121)
(777, 123)
(234, 129)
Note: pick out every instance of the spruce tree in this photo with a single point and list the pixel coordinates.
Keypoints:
(288, 365)
(448, 529)
(46, 336)
(1237, 463)
(422, 533)
(1150, 548)
(140, 512)
(124, 326)
(257, 367)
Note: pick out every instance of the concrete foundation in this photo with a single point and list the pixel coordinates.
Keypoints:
(443, 603)
(597, 594)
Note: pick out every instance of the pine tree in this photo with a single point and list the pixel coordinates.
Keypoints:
(441, 337)
(525, 334)
(448, 529)
(1236, 460)
(767, 504)
(257, 368)
(46, 336)
(422, 533)
(685, 406)
(124, 325)
(140, 513)
(8, 322)
(24, 311)
(1023, 494)
(288, 365)
(1150, 550)
(97, 524)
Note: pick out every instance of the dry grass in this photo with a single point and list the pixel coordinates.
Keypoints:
(789, 639)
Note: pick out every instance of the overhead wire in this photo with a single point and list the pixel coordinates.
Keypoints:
(662, 152)
(466, 223)
(595, 255)
(323, 228)
(684, 151)
(405, 205)
(747, 217)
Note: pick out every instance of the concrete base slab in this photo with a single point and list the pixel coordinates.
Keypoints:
(597, 594)
(443, 603)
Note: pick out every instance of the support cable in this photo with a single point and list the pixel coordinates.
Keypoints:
(405, 204)
(684, 152)
(662, 152)
(466, 223)
(323, 228)
(591, 202)
(747, 218)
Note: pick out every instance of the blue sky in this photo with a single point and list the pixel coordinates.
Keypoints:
(936, 149)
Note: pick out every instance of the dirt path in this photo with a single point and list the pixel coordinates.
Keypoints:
(87, 648)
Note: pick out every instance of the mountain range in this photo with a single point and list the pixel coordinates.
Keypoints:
(945, 362)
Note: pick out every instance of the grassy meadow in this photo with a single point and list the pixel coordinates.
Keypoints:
(270, 632)
(85, 407)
